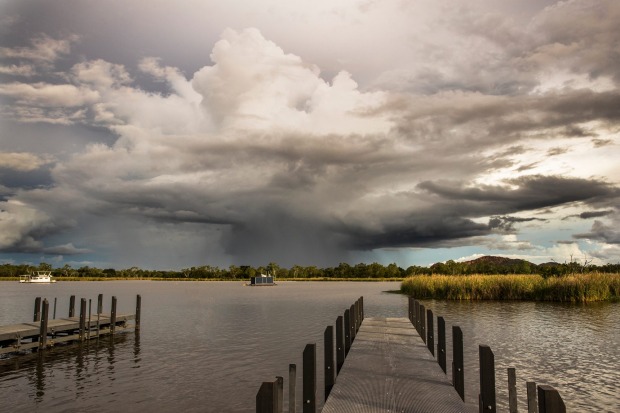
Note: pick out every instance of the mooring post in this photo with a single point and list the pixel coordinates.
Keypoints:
(410, 310)
(430, 330)
(486, 397)
(72, 306)
(423, 323)
(82, 318)
(99, 303)
(356, 306)
(138, 306)
(441, 343)
(292, 387)
(549, 400)
(416, 313)
(340, 352)
(352, 322)
(113, 316)
(266, 397)
(89, 317)
(309, 379)
(328, 339)
(37, 309)
(532, 404)
(347, 332)
(54, 318)
(512, 390)
(279, 393)
(362, 306)
(458, 375)
(43, 328)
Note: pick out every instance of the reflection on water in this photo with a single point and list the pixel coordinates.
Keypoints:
(206, 347)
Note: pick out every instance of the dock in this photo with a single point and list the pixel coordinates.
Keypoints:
(44, 332)
(388, 369)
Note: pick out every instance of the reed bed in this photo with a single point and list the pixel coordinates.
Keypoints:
(578, 288)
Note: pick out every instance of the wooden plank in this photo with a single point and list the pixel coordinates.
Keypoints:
(390, 369)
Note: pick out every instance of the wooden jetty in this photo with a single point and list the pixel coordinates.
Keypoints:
(390, 368)
(44, 332)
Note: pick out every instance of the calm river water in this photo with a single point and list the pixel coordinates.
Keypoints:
(207, 346)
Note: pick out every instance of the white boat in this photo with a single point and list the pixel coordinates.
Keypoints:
(40, 277)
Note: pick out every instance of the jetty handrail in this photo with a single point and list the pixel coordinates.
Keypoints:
(549, 399)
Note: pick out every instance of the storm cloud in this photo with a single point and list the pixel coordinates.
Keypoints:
(259, 144)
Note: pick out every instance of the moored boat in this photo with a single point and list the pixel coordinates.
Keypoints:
(38, 277)
(262, 280)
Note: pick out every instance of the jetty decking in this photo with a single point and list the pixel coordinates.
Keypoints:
(389, 369)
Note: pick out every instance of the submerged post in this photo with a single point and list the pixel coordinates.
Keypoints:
(441, 343)
(458, 375)
(340, 352)
(43, 327)
(532, 405)
(328, 338)
(37, 309)
(347, 332)
(430, 338)
(72, 306)
(113, 316)
(486, 398)
(549, 400)
(138, 307)
(309, 379)
(292, 387)
(512, 390)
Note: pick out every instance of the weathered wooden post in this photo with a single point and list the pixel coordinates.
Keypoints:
(37, 309)
(416, 311)
(410, 310)
(362, 307)
(279, 394)
(441, 343)
(486, 398)
(99, 303)
(82, 318)
(549, 400)
(309, 379)
(138, 309)
(292, 387)
(356, 306)
(340, 352)
(430, 330)
(54, 317)
(330, 379)
(267, 397)
(512, 390)
(353, 322)
(89, 317)
(113, 316)
(423, 323)
(532, 404)
(43, 327)
(458, 374)
(72, 306)
(347, 332)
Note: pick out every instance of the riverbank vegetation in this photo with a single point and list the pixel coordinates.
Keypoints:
(575, 288)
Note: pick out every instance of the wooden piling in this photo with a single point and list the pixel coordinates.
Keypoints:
(54, 317)
(292, 387)
(309, 379)
(549, 400)
(89, 318)
(416, 313)
(43, 327)
(340, 352)
(72, 306)
(347, 332)
(362, 307)
(279, 384)
(441, 343)
(532, 404)
(512, 390)
(458, 374)
(99, 303)
(330, 379)
(138, 310)
(356, 306)
(266, 398)
(37, 309)
(423, 323)
(410, 309)
(82, 319)
(486, 398)
(430, 330)
(113, 316)
(353, 322)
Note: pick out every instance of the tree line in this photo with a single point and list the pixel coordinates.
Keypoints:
(342, 271)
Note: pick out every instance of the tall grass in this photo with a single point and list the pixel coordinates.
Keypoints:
(579, 288)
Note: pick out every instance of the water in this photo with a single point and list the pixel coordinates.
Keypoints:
(207, 346)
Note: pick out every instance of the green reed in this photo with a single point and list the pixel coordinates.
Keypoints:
(577, 288)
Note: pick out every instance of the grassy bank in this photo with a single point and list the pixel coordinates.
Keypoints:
(579, 288)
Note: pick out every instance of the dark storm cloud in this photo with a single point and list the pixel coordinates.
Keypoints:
(602, 232)
(507, 223)
(591, 214)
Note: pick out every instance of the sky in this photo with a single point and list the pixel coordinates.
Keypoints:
(171, 134)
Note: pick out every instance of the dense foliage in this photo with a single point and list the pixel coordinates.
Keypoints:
(484, 265)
